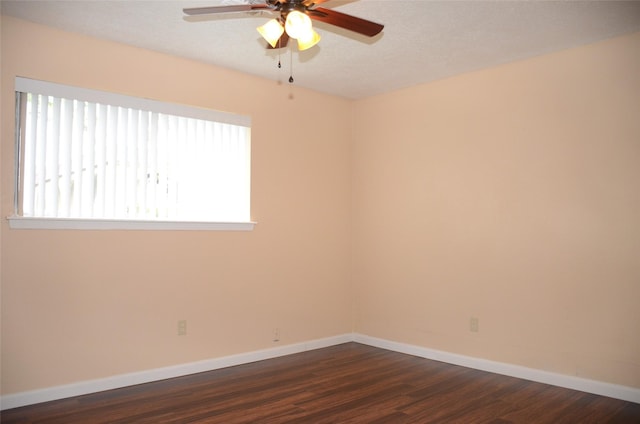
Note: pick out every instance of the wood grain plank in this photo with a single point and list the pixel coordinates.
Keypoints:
(348, 384)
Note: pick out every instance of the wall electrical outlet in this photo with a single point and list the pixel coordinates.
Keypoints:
(474, 325)
(276, 335)
(182, 327)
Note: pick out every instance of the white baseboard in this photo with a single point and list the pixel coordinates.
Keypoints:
(630, 394)
(124, 380)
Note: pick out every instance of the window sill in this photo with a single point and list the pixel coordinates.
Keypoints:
(28, 223)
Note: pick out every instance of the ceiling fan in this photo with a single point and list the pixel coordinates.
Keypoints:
(294, 20)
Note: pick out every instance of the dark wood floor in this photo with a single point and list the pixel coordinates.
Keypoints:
(349, 383)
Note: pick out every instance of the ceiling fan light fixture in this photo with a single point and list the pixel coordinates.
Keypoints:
(298, 25)
(271, 31)
(307, 43)
(295, 20)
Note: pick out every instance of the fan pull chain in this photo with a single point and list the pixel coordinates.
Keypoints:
(291, 65)
(279, 64)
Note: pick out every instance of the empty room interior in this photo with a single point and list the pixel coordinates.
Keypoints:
(489, 219)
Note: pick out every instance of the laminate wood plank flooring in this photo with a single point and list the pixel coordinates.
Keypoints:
(343, 384)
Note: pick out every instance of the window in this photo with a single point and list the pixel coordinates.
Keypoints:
(90, 159)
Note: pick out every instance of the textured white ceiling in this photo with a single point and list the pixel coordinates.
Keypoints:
(422, 41)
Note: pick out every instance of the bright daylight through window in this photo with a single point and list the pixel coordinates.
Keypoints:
(90, 159)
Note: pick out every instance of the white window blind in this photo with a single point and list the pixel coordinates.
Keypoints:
(92, 155)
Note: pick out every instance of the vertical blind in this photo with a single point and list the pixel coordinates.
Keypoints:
(106, 159)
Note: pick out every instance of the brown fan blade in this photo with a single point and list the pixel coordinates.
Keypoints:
(224, 9)
(282, 42)
(311, 3)
(342, 20)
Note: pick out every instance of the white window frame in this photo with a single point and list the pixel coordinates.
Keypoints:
(17, 221)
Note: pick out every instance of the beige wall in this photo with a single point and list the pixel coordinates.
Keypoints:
(511, 195)
(79, 305)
